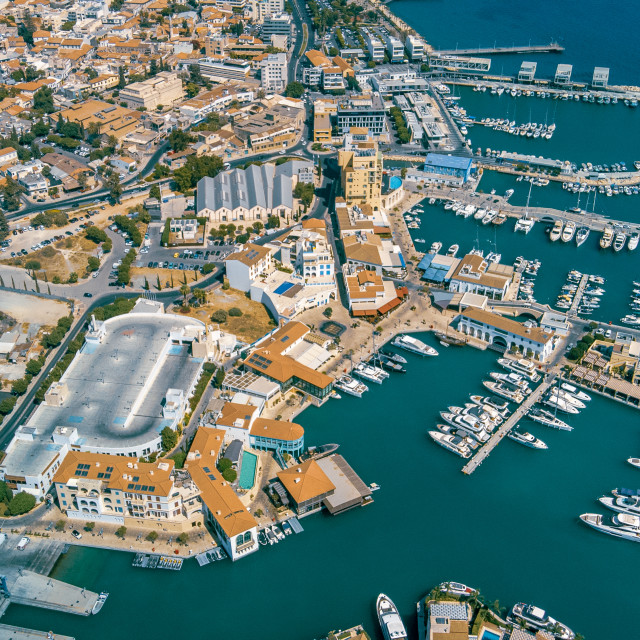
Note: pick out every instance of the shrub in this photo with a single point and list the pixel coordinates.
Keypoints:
(19, 387)
(96, 235)
(48, 252)
(89, 526)
(183, 538)
(32, 265)
(224, 464)
(121, 531)
(219, 316)
(179, 458)
(152, 536)
(169, 438)
(230, 475)
(235, 312)
(21, 503)
(60, 525)
(5, 492)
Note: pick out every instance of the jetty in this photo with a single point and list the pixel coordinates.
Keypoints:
(573, 311)
(552, 47)
(10, 632)
(506, 426)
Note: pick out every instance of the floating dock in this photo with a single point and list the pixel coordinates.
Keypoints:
(577, 299)
(152, 561)
(506, 426)
(552, 47)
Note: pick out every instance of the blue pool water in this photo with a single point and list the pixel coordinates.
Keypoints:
(395, 183)
(248, 470)
(489, 635)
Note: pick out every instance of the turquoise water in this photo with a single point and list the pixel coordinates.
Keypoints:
(489, 635)
(511, 529)
(248, 470)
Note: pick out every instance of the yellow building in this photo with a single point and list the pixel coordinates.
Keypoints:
(360, 163)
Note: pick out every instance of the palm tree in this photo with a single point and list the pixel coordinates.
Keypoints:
(200, 295)
(184, 290)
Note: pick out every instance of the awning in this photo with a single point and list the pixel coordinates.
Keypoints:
(390, 305)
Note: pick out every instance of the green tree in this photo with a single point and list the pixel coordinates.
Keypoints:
(121, 532)
(219, 379)
(19, 387)
(21, 503)
(152, 536)
(273, 222)
(154, 192)
(93, 263)
(89, 526)
(11, 192)
(169, 438)
(5, 492)
(230, 475)
(60, 525)
(34, 366)
(179, 140)
(224, 464)
(115, 188)
(43, 100)
(96, 235)
(304, 191)
(184, 291)
(187, 177)
(234, 312)
(183, 538)
(219, 316)
(294, 90)
(32, 265)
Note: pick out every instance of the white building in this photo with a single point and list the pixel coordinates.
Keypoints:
(415, 48)
(274, 72)
(474, 274)
(375, 46)
(244, 267)
(395, 48)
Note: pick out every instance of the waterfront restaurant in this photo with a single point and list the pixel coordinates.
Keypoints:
(307, 485)
(490, 327)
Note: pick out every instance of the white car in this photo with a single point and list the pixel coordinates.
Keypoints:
(24, 541)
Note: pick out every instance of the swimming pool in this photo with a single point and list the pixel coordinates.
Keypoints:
(489, 635)
(248, 473)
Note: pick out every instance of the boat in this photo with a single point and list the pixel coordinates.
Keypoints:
(567, 397)
(501, 218)
(319, 452)
(574, 391)
(449, 340)
(286, 527)
(457, 589)
(635, 462)
(463, 434)
(515, 379)
(619, 241)
(581, 235)
(556, 232)
(523, 366)
(499, 389)
(388, 363)
(392, 355)
(276, 531)
(632, 245)
(569, 231)
(607, 237)
(537, 619)
(558, 403)
(262, 538)
(528, 440)
(452, 443)
(435, 247)
(470, 424)
(453, 250)
(548, 419)
(499, 405)
(623, 501)
(102, 598)
(371, 373)
(271, 536)
(621, 525)
(389, 619)
(409, 343)
(631, 319)
(508, 194)
(524, 224)
(351, 386)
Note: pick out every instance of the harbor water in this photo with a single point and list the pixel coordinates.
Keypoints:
(511, 529)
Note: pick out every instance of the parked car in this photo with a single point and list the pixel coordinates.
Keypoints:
(88, 295)
(76, 534)
(24, 541)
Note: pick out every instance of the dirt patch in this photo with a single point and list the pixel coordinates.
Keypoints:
(254, 322)
(32, 309)
(166, 277)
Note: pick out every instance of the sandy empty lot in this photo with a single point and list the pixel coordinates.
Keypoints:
(32, 309)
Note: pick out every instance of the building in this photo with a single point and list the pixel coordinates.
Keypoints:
(600, 78)
(224, 70)
(278, 436)
(306, 248)
(274, 72)
(369, 294)
(563, 75)
(273, 359)
(474, 274)
(274, 129)
(104, 488)
(357, 218)
(362, 111)
(307, 485)
(163, 89)
(504, 333)
(113, 120)
(445, 169)
(244, 267)
(234, 526)
(277, 25)
(448, 620)
(395, 48)
(360, 163)
(375, 45)
(415, 48)
(460, 64)
(215, 101)
(8, 157)
(112, 398)
(250, 194)
(527, 71)
(368, 250)
(322, 129)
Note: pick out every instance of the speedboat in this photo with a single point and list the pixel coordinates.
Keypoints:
(633, 241)
(453, 444)
(581, 235)
(548, 419)
(621, 525)
(351, 386)
(635, 462)
(262, 538)
(569, 231)
(409, 343)
(623, 501)
(102, 598)
(457, 589)
(528, 440)
(389, 619)
(619, 241)
(574, 391)
(435, 247)
(396, 357)
(556, 232)
(277, 532)
(523, 366)
(391, 365)
(607, 237)
(453, 250)
(532, 617)
(567, 397)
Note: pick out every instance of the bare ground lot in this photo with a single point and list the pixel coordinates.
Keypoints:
(32, 309)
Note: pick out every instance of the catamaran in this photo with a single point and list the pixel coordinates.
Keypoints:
(351, 386)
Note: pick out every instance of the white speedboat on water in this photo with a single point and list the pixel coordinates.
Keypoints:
(607, 237)
(547, 419)
(623, 501)
(409, 343)
(635, 462)
(351, 386)
(527, 439)
(453, 250)
(452, 443)
(457, 589)
(621, 525)
(389, 619)
(581, 235)
(537, 619)
(435, 247)
(102, 598)
(523, 366)
(619, 241)
(569, 231)
(632, 245)
(569, 398)
(556, 232)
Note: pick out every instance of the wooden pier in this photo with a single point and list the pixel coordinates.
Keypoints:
(506, 426)
(552, 47)
(577, 299)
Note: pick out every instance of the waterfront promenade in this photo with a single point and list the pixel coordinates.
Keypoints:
(507, 425)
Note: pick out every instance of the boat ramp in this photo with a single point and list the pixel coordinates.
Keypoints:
(507, 425)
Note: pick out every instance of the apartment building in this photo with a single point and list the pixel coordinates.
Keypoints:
(375, 46)
(366, 110)
(277, 25)
(164, 89)
(274, 72)
(415, 48)
(243, 267)
(361, 173)
(395, 48)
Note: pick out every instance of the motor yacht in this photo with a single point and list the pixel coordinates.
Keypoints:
(623, 501)
(409, 343)
(574, 391)
(389, 619)
(619, 241)
(607, 237)
(567, 397)
(502, 390)
(621, 525)
(559, 404)
(528, 440)
(556, 231)
(537, 619)
(452, 443)
(525, 367)
(457, 589)
(632, 245)
(569, 231)
(548, 419)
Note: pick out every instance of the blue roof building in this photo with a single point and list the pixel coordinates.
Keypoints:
(445, 165)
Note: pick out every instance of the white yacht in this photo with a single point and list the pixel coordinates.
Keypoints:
(569, 231)
(548, 419)
(556, 232)
(619, 241)
(389, 619)
(569, 398)
(516, 379)
(607, 237)
(622, 525)
(633, 241)
(574, 391)
(351, 386)
(623, 501)
(524, 224)
(635, 462)
(409, 343)
(532, 617)
(528, 440)
(435, 247)
(523, 366)
(452, 443)
(457, 589)
(581, 235)
(499, 405)
(371, 373)
(468, 423)
(453, 250)
(464, 435)
(560, 404)
(502, 390)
